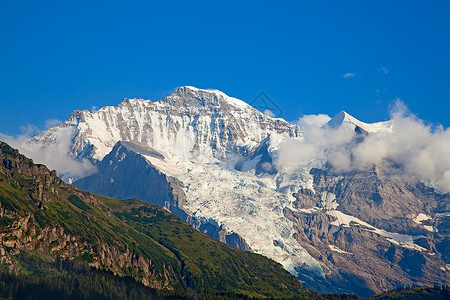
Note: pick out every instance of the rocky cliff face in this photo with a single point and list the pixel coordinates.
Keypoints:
(126, 166)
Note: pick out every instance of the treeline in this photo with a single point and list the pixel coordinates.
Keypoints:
(340, 296)
(73, 280)
(79, 284)
(64, 279)
(418, 293)
(92, 285)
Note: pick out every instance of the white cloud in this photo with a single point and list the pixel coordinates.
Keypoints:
(269, 113)
(349, 75)
(412, 148)
(383, 70)
(25, 133)
(55, 156)
(52, 123)
(317, 143)
(313, 120)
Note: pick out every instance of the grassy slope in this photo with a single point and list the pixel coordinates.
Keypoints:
(188, 259)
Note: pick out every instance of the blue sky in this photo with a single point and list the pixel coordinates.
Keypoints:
(309, 56)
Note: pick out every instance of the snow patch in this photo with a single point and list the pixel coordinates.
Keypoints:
(336, 249)
(328, 201)
(403, 240)
(420, 218)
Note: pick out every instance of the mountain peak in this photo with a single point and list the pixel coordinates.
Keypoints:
(131, 101)
(344, 119)
(340, 118)
(210, 95)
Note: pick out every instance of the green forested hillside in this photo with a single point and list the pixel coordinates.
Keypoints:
(66, 280)
(419, 293)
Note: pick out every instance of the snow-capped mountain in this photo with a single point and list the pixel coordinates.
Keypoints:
(344, 119)
(212, 158)
(204, 125)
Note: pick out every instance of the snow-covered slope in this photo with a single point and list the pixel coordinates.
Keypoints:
(204, 125)
(344, 119)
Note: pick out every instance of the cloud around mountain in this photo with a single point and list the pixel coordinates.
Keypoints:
(411, 147)
(55, 156)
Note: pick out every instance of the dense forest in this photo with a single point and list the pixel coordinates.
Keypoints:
(416, 293)
(66, 280)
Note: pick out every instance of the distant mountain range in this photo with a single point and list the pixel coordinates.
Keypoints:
(232, 172)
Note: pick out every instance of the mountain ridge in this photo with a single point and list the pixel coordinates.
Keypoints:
(191, 122)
